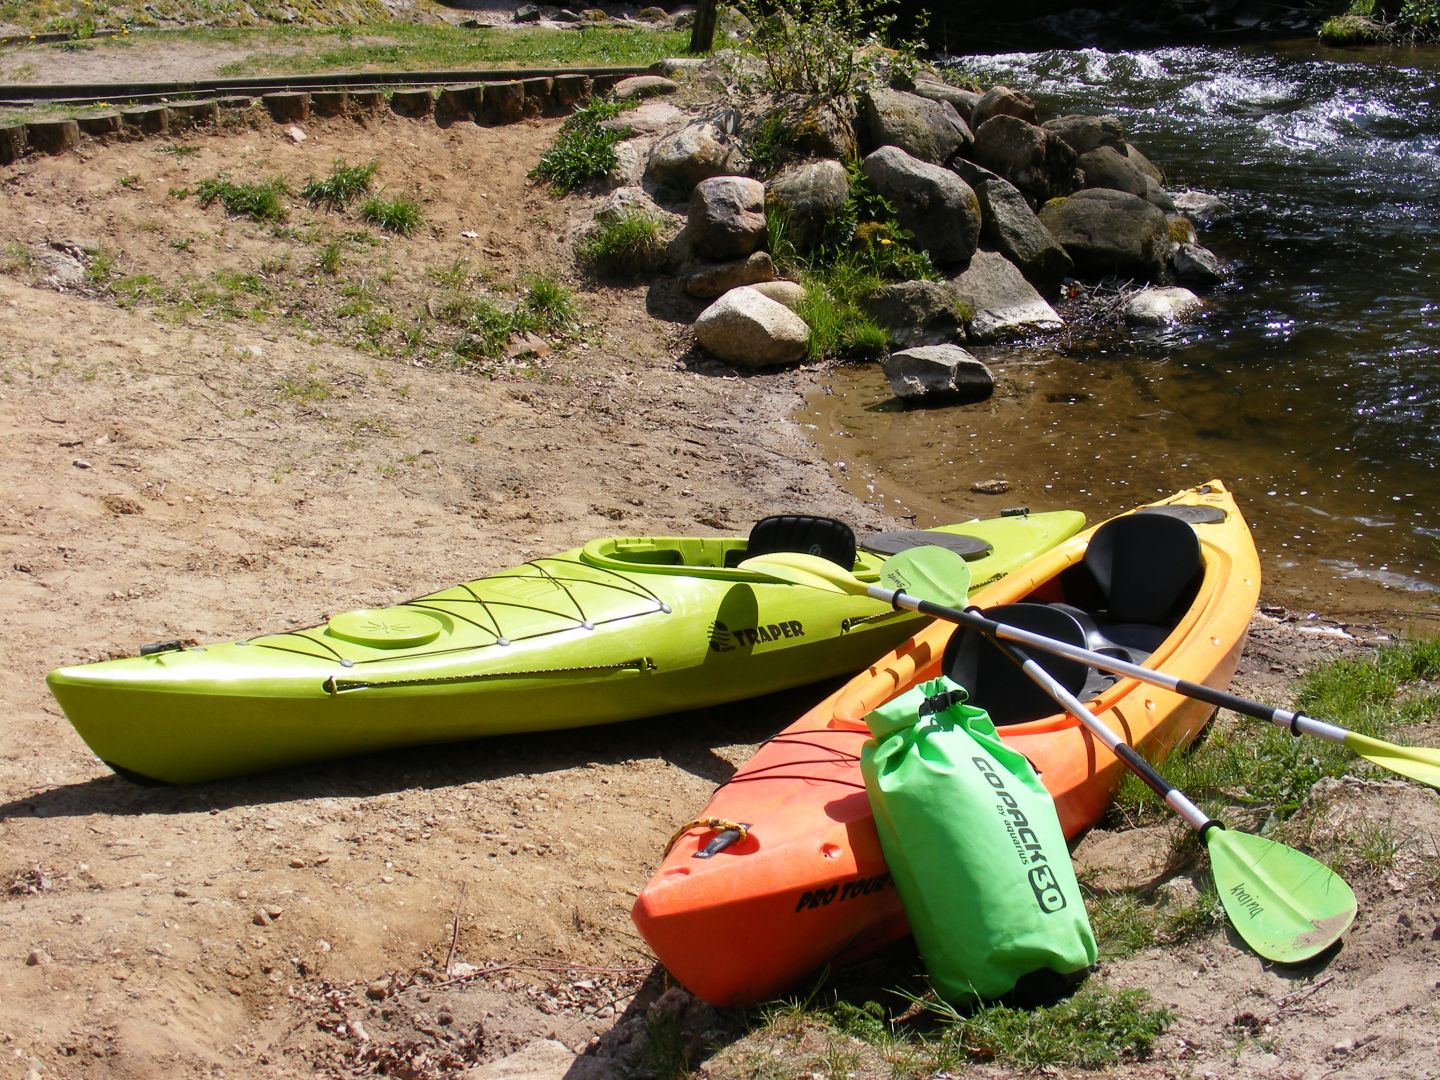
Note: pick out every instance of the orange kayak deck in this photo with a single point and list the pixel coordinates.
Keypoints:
(808, 885)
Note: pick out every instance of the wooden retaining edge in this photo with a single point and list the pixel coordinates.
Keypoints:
(485, 104)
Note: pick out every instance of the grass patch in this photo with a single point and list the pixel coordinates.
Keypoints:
(545, 307)
(583, 150)
(344, 184)
(630, 244)
(259, 202)
(399, 215)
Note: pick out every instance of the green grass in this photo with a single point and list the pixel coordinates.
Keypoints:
(344, 184)
(259, 202)
(583, 150)
(398, 215)
(630, 244)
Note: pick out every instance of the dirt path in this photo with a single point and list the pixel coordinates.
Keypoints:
(176, 472)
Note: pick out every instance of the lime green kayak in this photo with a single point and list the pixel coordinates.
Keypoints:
(621, 628)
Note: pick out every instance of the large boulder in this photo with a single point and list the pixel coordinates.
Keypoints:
(752, 331)
(963, 100)
(820, 129)
(696, 152)
(811, 196)
(715, 279)
(1110, 232)
(931, 202)
(1038, 163)
(1085, 133)
(1002, 101)
(924, 128)
(937, 374)
(1005, 304)
(1161, 307)
(1106, 167)
(727, 217)
(1010, 227)
(1191, 264)
(915, 313)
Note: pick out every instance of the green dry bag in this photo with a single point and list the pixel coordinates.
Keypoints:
(975, 849)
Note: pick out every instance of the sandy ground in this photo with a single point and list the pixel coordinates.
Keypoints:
(178, 474)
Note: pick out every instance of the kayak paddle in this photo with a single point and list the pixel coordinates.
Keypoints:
(927, 569)
(1287, 906)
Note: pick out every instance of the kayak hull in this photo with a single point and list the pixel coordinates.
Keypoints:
(808, 886)
(619, 629)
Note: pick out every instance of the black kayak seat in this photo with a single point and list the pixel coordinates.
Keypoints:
(1147, 568)
(996, 683)
(892, 543)
(823, 536)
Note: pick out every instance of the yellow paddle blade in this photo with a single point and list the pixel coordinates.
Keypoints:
(1420, 763)
(797, 568)
(1287, 906)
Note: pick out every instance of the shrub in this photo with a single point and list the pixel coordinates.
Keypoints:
(583, 150)
(827, 47)
(630, 244)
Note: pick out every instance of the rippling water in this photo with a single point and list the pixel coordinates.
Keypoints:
(1312, 386)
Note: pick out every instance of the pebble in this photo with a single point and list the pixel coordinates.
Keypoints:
(378, 990)
(261, 917)
(80, 463)
(990, 487)
(297, 863)
(38, 958)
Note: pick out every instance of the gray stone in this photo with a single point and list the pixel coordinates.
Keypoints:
(677, 65)
(789, 293)
(925, 129)
(1038, 163)
(1161, 307)
(811, 196)
(1144, 164)
(1085, 133)
(1105, 167)
(1110, 232)
(937, 374)
(649, 118)
(963, 100)
(727, 217)
(642, 86)
(1010, 227)
(1006, 305)
(1196, 265)
(696, 152)
(821, 130)
(715, 279)
(1201, 206)
(915, 313)
(932, 202)
(752, 331)
(1002, 101)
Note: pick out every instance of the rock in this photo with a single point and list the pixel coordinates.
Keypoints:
(963, 101)
(1201, 206)
(1160, 307)
(1105, 167)
(1085, 133)
(938, 374)
(631, 200)
(1002, 101)
(1038, 163)
(1110, 232)
(647, 119)
(1141, 162)
(696, 152)
(543, 1059)
(1005, 304)
(378, 990)
(821, 130)
(990, 487)
(677, 65)
(642, 86)
(752, 331)
(929, 130)
(789, 293)
(915, 313)
(527, 13)
(933, 203)
(811, 196)
(37, 958)
(716, 279)
(61, 269)
(727, 217)
(1195, 265)
(1010, 227)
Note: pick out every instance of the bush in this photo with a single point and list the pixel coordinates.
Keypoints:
(583, 150)
(345, 183)
(631, 244)
(261, 202)
(827, 47)
(397, 215)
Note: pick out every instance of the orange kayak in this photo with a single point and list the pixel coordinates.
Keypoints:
(782, 872)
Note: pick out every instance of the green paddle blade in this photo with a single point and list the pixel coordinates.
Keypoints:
(1420, 763)
(929, 573)
(1287, 906)
(798, 568)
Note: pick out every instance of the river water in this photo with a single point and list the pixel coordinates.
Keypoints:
(1312, 384)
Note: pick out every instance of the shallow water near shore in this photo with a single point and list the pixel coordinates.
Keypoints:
(1312, 384)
